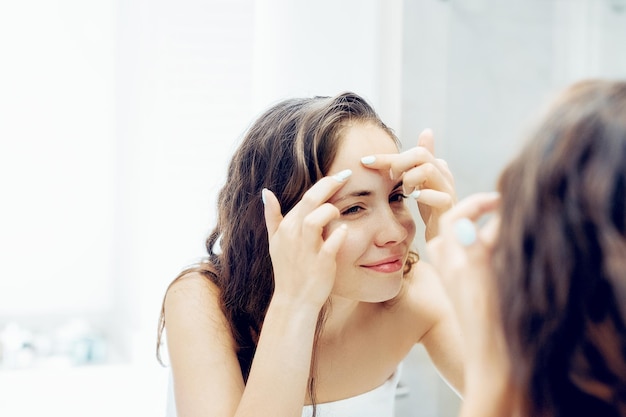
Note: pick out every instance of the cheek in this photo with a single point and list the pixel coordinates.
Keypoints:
(406, 220)
(409, 225)
(353, 246)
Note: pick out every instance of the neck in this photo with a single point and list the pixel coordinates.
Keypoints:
(341, 314)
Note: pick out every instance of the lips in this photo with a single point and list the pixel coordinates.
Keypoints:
(387, 265)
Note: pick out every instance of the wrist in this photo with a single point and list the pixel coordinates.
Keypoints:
(294, 309)
(298, 301)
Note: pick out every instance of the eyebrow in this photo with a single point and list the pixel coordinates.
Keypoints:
(361, 193)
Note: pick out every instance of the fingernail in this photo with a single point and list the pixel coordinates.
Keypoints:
(390, 173)
(415, 194)
(368, 160)
(465, 231)
(343, 175)
(263, 195)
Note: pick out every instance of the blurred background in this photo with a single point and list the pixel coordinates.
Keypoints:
(117, 119)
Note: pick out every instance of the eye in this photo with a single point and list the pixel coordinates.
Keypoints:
(397, 197)
(351, 210)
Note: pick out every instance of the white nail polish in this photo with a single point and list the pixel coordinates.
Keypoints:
(343, 175)
(368, 160)
(415, 194)
(465, 231)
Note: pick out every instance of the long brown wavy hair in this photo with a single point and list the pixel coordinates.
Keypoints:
(287, 150)
(560, 259)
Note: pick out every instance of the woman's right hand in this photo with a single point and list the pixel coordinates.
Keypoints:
(302, 248)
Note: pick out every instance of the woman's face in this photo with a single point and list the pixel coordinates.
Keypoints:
(380, 226)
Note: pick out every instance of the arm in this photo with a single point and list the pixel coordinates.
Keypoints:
(443, 340)
(466, 349)
(206, 373)
(465, 272)
(280, 369)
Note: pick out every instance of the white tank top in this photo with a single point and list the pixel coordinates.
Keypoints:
(379, 402)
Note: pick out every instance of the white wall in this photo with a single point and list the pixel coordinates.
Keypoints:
(477, 71)
(184, 89)
(325, 47)
(57, 92)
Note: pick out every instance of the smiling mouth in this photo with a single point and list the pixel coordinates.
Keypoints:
(387, 267)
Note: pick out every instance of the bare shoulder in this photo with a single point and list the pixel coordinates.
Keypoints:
(192, 285)
(191, 301)
(423, 284)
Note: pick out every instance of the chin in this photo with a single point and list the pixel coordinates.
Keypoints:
(390, 290)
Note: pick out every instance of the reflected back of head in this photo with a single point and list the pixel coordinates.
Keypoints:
(560, 261)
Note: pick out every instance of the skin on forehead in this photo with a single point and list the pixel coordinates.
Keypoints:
(363, 138)
(359, 140)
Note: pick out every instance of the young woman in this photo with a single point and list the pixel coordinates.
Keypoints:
(542, 285)
(311, 295)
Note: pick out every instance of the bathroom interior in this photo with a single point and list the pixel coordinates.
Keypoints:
(117, 118)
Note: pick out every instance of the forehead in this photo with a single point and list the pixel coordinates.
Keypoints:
(362, 139)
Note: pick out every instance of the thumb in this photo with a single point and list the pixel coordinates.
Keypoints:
(426, 139)
(489, 232)
(273, 216)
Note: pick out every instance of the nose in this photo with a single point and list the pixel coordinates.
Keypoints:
(390, 230)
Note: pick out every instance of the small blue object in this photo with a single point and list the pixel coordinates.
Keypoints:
(465, 231)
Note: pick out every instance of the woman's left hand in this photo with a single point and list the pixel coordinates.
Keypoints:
(462, 256)
(425, 178)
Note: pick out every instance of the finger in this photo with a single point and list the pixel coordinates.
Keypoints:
(489, 232)
(314, 223)
(321, 192)
(426, 139)
(334, 241)
(272, 212)
(433, 198)
(473, 207)
(426, 176)
(445, 169)
(397, 163)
